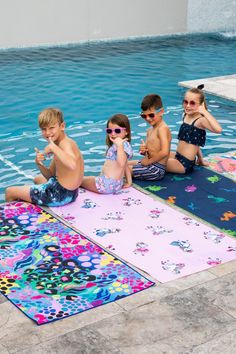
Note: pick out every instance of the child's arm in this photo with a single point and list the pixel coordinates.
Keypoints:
(128, 177)
(209, 122)
(143, 150)
(121, 154)
(200, 160)
(64, 153)
(165, 138)
(47, 172)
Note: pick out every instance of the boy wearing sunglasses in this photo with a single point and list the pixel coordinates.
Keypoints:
(192, 133)
(156, 149)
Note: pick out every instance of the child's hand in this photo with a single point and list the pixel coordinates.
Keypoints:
(49, 148)
(202, 108)
(143, 148)
(201, 162)
(145, 162)
(118, 141)
(39, 157)
(127, 185)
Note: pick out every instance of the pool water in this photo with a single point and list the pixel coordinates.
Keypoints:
(90, 82)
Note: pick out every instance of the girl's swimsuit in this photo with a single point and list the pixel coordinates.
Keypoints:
(188, 164)
(106, 185)
(191, 135)
(52, 193)
(112, 151)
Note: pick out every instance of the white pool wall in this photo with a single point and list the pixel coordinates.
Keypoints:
(211, 16)
(25, 23)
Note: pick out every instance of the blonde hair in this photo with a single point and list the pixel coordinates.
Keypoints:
(201, 95)
(49, 116)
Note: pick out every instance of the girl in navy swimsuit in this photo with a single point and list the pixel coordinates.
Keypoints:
(192, 133)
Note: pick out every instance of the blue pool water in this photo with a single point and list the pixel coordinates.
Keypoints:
(91, 82)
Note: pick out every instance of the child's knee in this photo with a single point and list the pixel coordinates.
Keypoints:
(39, 179)
(9, 194)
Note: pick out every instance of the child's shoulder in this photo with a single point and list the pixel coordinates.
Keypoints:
(164, 126)
(67, 141)
(128, 149)
(127, 143)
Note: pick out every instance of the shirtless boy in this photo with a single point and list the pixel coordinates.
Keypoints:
(156, 149)
(57, 184)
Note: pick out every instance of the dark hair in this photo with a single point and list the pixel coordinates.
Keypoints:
(200, 93)
(122, 121)
(151, 101)
(200, 87)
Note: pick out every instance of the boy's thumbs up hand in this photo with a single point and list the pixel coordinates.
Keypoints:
(143, 148)
(50, 140)
(49, 148)
(39, 157)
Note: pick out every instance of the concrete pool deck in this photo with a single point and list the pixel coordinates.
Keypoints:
(222, 86)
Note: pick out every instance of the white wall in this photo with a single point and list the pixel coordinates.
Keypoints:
(48, 22)
(39, 22)
(211, 15)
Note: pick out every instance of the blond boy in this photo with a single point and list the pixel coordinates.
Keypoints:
(57, 184)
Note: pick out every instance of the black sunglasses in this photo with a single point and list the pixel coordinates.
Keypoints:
(150, 115)
(145, 116)
(116, 130)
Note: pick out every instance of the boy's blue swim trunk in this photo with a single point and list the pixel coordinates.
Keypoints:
(153, 172)
(52, 194)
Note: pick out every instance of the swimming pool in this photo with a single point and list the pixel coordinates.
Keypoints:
(90, 82)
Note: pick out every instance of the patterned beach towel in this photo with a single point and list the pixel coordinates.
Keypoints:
(50, 272)
(224, 164)
(149, 234)
(203, 193)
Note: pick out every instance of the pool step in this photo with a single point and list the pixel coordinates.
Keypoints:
(222, 86)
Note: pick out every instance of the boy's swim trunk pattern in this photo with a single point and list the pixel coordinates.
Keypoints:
(153, 172)
(52, 194)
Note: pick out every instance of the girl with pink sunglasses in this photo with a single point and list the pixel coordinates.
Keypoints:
(192, 133)
(115, 168)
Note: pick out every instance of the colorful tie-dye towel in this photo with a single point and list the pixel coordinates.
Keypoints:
(204, 193)
(224, 164)
(50, 272)
(149, 234)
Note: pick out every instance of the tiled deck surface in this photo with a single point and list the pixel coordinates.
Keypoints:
(195, 314)
(222, 86)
